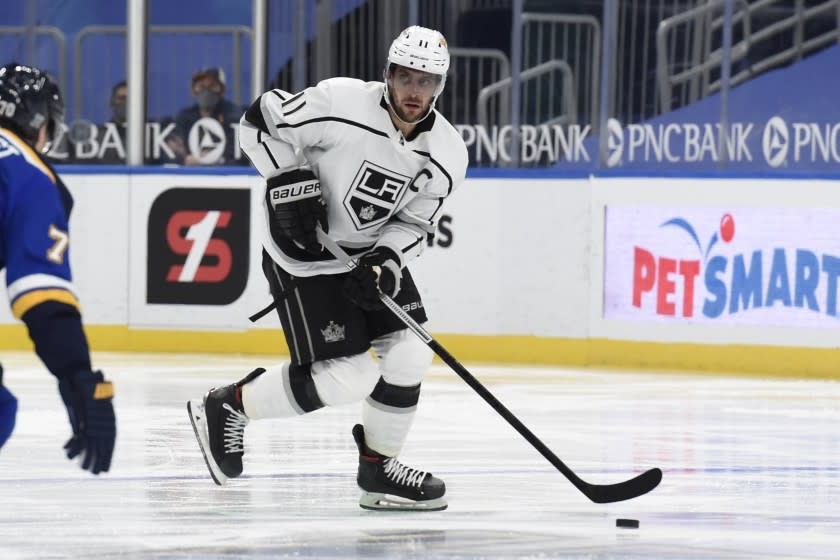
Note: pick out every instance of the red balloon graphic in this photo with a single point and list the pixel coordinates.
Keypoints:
(727, 228)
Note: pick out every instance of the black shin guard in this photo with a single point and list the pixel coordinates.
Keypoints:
(395, 395)
(303, 388)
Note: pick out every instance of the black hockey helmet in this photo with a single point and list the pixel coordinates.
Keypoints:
(30, 98)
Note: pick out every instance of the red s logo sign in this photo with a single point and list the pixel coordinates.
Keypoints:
(198, 243)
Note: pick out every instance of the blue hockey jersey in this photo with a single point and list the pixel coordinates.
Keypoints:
(34, 242)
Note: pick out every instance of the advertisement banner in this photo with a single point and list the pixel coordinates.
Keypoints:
(195, 256)
(198, 246)
(769, 267)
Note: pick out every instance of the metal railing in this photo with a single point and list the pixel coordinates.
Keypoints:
(564, 47)
(698, 26)
(356, 44)
(669, 53)
(470, 72)
(795, 23)
(569, 100)
(575, 40)
(47, 31)
(693, 74)
(237, 34)
(342, 48)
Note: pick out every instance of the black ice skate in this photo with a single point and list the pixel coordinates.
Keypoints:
(219, 422)
(387, 484)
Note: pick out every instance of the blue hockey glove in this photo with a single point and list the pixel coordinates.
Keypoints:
(377, 270)
(88, 398)
(8, 411)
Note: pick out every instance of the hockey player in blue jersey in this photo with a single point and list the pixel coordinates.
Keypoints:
(34, 249)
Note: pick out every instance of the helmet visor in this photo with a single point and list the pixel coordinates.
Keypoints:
(417, 82)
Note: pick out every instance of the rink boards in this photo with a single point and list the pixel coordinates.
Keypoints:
(732, 274)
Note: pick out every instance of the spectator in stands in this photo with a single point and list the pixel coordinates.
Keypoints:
(88, 143)
(119, 104)
(111, 150)
(210, 144)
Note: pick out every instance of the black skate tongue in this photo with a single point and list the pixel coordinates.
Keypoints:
(365, 452)
(359, 436)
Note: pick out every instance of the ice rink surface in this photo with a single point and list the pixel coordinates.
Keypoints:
(750, 470)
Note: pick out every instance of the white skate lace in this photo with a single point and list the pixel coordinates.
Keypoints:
(234, 430)
(401, 474)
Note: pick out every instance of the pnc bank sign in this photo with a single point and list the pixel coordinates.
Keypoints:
(776, 142)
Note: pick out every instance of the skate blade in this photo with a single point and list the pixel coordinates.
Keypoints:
(199, 424)
(387, 502)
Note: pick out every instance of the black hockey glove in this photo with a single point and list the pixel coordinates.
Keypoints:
(298, 207)
(378, 270)
(88, 399)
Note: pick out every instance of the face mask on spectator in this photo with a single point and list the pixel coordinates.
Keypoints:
(207, 99)
(119, 112)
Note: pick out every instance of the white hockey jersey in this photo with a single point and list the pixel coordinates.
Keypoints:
(380, 187)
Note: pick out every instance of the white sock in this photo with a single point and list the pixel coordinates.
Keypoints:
(269, 395)
(386, 427)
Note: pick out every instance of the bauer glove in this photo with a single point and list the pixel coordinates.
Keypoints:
(88, 398)
(298, 208)
(378, 270)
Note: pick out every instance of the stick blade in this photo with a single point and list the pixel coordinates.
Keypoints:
(627, 490)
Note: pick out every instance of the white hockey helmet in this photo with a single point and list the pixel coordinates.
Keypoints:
(419, 48)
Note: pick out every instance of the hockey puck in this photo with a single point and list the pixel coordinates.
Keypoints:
(627, 523)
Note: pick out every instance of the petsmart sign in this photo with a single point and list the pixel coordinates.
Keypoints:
(729, 266)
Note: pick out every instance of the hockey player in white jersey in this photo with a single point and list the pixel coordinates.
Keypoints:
(371, 163)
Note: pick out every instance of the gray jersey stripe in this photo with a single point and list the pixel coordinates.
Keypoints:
(305, 324)
(288, 310)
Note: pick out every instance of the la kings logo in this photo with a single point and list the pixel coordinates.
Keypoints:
(374, 194)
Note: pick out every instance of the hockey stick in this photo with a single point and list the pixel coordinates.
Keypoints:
(598, 493)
